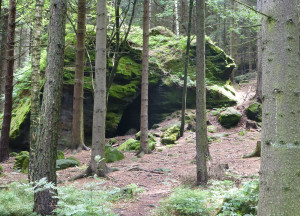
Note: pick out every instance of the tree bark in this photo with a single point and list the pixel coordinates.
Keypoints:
(35, 82)
(99, 167)
(3, 61)
(201, 127)
(184, 92)
(4, 141)
(259, 60)
(144, 148)
(233, 38)
(176, 17)
(45, 160)
(77, 122)
(279, 174)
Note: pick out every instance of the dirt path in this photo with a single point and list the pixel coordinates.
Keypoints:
(161, 171)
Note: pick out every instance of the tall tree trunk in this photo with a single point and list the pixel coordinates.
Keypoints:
(4, 141)
(201, 127)
(35, 82)
(184, 92)
(232, 37)
(176, 17)
(20, 46)
(144, 93)
(45, 201)
(98, 165)
(184, 15)
(249, 49)
(4, 23)
(279, 173)
(259, 60)
(77, 123)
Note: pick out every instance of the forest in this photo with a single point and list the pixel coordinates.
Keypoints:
(149, 107)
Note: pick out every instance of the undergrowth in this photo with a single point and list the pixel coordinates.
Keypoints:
(220, 198)
(74, 200)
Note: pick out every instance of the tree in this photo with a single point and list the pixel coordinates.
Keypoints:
(45, 201)
(4, 22)
(77, 123)
(35, 81)
(98, 165)
(279, 174)
(184, 92)
(4, 141)
(259, 62)
(144, 148)
(201, 127)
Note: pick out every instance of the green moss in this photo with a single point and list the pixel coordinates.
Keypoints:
(211, 129)
(69, 75)
(134, 145)
(73, 158)
(218, 96)
(112, 154)
(230, 117)
(60, 155)
(1, 171)
(123, 91)
(170, 135)
(65, 163)
(150, 136)
(254, 112)
(19, 114)
(21, 162)
(112, 141)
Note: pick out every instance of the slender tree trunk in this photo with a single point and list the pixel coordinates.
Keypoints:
(184, 92)
(279, 173)
(45, 201)
(201, 127)
(98, 165)
(259, 60)
(249, 49)
(4, 141)
(184, 15)
(77, 123)
(144, 93)
(176, 17)
(20, 46)
(233, 38)
(3, 61)
(35, 82)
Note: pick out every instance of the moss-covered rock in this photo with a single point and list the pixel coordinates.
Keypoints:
(65, 163)
(134, 145)
(112, 141)
(170, 135)
(1, 171)
(60, 155)
(254, 112)
(112, 154)
(73, 158)
(161, 30)
(150, 136)
(220, 96)
(21, 162)
(230, 117)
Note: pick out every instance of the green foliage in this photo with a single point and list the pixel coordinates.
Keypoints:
(88, 199)
(1, 171)
(218, 198)
(241, 202)
(184, 202)
(112, 141)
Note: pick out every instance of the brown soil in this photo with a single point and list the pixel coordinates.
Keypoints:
(158, 173)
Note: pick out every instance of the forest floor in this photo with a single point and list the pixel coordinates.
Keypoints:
(158, 173)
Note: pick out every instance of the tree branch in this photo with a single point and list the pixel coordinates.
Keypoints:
(249, 7)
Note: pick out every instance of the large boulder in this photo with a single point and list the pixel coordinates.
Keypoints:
(21, 162)
(229, 118)
(254, 112)
(165, 86)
